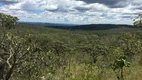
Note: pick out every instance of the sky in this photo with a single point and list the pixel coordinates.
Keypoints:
(73, 11)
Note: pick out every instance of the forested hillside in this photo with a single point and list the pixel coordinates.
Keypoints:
(42, 53)
(93, 27)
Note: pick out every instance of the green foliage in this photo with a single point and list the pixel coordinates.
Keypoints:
(56, 54)
(8, 21)
(120, 63)
(79, 55)
(7, 46)
(138, 21)
(16, 50)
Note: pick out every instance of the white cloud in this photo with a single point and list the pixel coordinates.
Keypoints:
(71, 11)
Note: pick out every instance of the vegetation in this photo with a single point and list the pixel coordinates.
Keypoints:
(39, 53)
(138, 21)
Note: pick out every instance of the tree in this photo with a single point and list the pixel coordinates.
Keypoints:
(7, 22)
(118, 66)
(14, 49)
(7, 53)
(138, 21)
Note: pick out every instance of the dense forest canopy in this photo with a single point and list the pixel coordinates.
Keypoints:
(45, 53)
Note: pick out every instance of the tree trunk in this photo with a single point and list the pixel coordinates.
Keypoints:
(10, 71)
(121, 74)
(1, 73)
(2, 65)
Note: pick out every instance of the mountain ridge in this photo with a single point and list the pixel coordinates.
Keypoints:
(79, 27)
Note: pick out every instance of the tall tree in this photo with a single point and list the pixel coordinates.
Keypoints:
(14, 49)
(6, 52)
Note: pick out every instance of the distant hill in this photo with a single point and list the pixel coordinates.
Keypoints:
(46, 24)
(79, 27)
(93, 27)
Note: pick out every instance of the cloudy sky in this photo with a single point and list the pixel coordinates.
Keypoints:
(73, 11)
